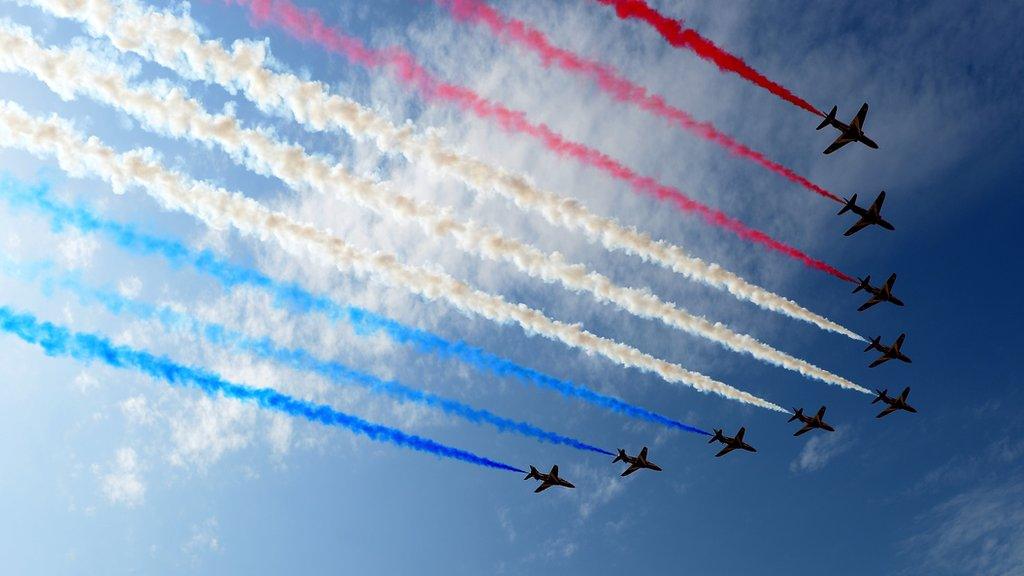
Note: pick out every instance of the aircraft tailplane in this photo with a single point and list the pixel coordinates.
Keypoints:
(828, 119)
(849, 204)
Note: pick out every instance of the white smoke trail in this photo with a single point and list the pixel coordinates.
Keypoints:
(172, 41)
(219, 208)
(172, 111)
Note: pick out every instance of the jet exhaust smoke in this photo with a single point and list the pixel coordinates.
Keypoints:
(613, 83)
(56, 340)
(219, 208)
(675, 34)
(171, 41)
(68, 73)
(299, 299)
(266, 349)
(308, 26)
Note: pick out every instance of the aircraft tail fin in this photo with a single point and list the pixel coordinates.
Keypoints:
(797, 412)
(621, 457)
(533, 474)
(850, 203)
(876, 342)
(863, 284)
(881, 394)
(828, 119)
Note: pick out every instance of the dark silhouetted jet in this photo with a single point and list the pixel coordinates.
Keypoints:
(636, 463)
(811, 422)
(869, 216)
(853, 132)
(894, 404)
(731, 443)
(880, 294)
(547, 480)
(888, 352)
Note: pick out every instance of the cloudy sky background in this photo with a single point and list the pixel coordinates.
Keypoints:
(109, 471)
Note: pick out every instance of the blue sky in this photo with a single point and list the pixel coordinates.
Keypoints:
(109, 471)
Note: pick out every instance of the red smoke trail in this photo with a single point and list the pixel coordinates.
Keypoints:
(307, 25)
(613, 83)
(673, 31)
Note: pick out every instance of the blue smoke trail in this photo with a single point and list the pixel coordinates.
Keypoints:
(59, 341)
(290, 294)
(265, 348)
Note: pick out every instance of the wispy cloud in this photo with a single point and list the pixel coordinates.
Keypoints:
(122, 482)
(820, 450)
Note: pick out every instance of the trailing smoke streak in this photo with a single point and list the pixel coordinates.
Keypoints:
(59, 341)
(673, 32)
(68, 73)
(265, 348)
(308, 26)
(613, 83)
(172, 42)
(299, 299)
(219, 208)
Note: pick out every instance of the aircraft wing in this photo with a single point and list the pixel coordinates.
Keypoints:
(858, 120)
(807, 428)
(886, 412)
(725, 451)
(544, 486)
(857, 227)
(881, 360)
(874, 300)
(643, 453)
(739, 435)
(841, 141)
(890, 281)
(876, 206)
(632, 468)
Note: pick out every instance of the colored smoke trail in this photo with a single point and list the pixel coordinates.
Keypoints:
(309, 26)
(613, 83)
(56, 340)
(219, 208)
(265, 348)
(171, 41)
(71, 72)
(673, 31)
(301, 300)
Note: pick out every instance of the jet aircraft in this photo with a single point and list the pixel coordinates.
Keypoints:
(852, 132)
(731, 443)
(548, 480)
(868, 216)
(881, 294)
(888, 352)
(894, 404)
(811, 422)
(636, 463)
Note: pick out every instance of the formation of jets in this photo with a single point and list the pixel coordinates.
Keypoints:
(870, 216)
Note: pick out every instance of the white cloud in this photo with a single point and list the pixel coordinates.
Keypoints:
(130, 287)
(136, 410)
(208, 428)
(122, 484)
(978, 532)
(819, 450)
(85, 382)
(76, 250)
(204, 538)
